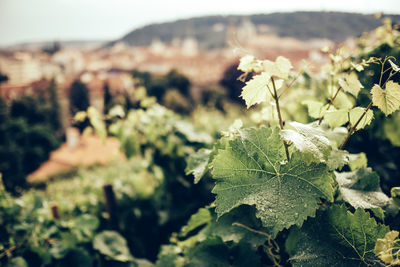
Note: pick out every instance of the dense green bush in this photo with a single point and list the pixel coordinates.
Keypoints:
(28, 133)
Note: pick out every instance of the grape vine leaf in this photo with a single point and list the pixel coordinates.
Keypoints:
(113, 245)
(192, 134)
(343, 101)
(233, 226)
(394, 66)
(214, 252)
(391, 128)
(197, 164)
(316, 109)
(256, 91)
(361, 189)
(249, 63)
(387, 248)
(356, 113)
(280, 68)
(334, 135)
(337, 237)
(336, 118)
(169, 256)
(308, 139)
(351, 84)
(388, 100)
(357, 161)
(254, 171)
(337, 159)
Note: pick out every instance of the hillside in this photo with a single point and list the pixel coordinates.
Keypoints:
(211, 31)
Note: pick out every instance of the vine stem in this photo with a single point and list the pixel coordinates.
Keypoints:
(353, 128)
(291, 83)
(278, 109)
(9, 250)
(330, 103)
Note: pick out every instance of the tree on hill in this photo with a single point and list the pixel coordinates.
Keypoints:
(78, 97)
(3, 78)
(178, 81)
(107, 98)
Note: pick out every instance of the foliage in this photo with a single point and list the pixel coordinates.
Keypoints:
(287, 192)
(78, 97)
(171, 90)
(27, 135)
(30, 237)
(295, 176)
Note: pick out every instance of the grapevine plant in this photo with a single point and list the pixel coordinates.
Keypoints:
(288, 192)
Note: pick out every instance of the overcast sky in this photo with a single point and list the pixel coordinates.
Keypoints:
(39, 20)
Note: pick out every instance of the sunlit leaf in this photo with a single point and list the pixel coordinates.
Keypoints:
(388, 100)
(351, 84)
(336, 118)
(388, 248)
(315, 108)
(357, 161)
(355, 115)
(256, 90)
(308, 139)
(361, 189)
(198, 164)
(248, 64)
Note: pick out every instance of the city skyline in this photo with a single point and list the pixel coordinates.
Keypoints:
(47, 20)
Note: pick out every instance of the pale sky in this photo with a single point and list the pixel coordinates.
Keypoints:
(47, 20)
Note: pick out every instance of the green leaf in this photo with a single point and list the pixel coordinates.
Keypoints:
(281, 67)
(391, 128)
(337, 237)
(388, 100)
(395, 192)
(113, 245)
(248, 64)
(17, 262)
(213, 252)
(308, 139)
(361, 189)
(335, 135)
(192, 135)
(394, 66)
(78, 258)
(343, 101)
(235, 226)
(201, 217)
(336, 118)
(351, 84)
(337, 159)
(388, 249)
(198, 164)
(86, 222)
(256, 90)
(253, 171)
(357, 161)
(169, 257)
(315, 108)
(355, 115)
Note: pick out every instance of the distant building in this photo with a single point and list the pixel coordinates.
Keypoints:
(20, 69)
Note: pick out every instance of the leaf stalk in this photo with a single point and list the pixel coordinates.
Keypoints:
(278, 109)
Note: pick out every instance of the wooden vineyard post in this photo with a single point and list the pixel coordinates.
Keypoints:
(111, 205)
(54, 211)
